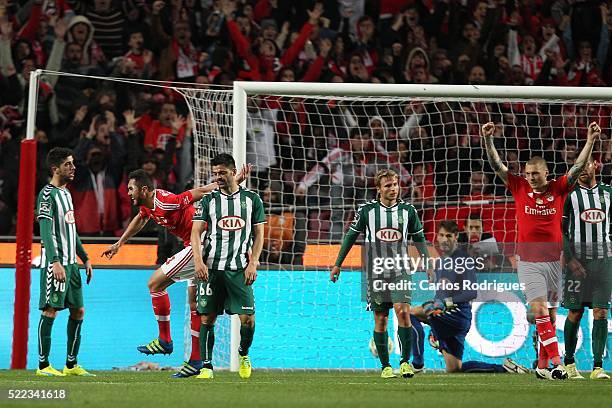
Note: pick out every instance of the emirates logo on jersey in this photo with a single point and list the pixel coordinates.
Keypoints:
(593, 216)
(231, 223)
(69, 217)
(540, 211)
(389, 235)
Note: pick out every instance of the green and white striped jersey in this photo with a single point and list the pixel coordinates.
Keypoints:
(229, 235)
(398, 223)
(55, 204)
(586, 221)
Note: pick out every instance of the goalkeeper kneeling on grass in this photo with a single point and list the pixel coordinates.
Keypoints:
(450, 313)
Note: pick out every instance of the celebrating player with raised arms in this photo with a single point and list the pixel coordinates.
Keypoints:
(391, 222)
(588, 271)
(539, 209)
(174, 212)
(226, 260)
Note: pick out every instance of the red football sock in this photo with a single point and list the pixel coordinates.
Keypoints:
(196, 321)
(548, 338)
(161, 309)
(542, 356)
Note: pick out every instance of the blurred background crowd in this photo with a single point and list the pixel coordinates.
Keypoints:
(313, 159)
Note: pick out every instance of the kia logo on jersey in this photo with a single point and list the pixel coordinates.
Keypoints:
(69, 217)
(231, 223)
(389, 235)
(593, 216)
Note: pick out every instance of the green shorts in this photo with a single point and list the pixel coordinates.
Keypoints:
(61, 295)
(593, 291)
(225, 291)
(383, 300)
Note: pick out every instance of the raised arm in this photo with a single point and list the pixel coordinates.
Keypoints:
(593, 132)
(200, 192)
(494, 160)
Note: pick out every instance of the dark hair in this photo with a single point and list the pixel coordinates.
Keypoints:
(473, 216)
(449, 225)
(141, 178)
(57, 156)
(224, 159)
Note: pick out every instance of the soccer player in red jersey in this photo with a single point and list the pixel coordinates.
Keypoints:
(174, 212)
(539, 211)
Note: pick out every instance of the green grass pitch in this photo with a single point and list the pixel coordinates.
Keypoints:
(309, 389)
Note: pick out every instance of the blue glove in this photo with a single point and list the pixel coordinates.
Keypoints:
(434, 307)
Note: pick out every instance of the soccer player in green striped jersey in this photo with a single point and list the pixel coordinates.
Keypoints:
(388, 224)
(226, 259)
(588, 272)
(60, 280)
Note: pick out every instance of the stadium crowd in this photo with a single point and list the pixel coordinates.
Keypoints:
(300, 156)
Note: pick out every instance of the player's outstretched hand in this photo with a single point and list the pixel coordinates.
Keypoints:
(201, 271)
(250, 274)
(488, 129)
(577, 269)
(111, 251)
(334, 274)
(594, 131)
(244, 172)
(88, 271)
(59, 273)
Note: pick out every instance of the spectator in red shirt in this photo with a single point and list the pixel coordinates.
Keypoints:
(168, 125)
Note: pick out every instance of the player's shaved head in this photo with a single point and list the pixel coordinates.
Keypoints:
(538, 162)
(536, 173)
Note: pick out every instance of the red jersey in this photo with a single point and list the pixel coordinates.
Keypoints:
(157, 135)
(539, 218)
(172, 211)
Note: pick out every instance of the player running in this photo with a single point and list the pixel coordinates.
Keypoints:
(450, 313)
(588, 270)
(539, 209)
(388, 222)
(60, 280)
(174, 212)
(226, 260)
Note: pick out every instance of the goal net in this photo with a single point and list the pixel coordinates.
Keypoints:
(315, 153)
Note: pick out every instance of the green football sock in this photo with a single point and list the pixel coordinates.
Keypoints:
(405, 341)
(44, 340)
(570, 334)
(600, 337)
(246, 339)
(207, 343)
(74, 341)
(381, 340)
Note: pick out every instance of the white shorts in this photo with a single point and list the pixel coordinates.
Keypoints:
(180, 266)
(541, 280)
